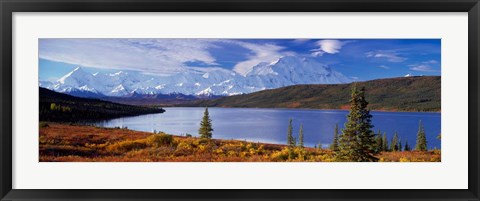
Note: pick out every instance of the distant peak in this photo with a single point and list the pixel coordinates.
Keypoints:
(292, 58)
(78, 69)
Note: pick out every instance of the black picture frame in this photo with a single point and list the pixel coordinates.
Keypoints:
(7, 7)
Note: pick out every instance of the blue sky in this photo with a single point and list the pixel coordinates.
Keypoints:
(359, 59)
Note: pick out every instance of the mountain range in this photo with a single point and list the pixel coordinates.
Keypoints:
(198, 82)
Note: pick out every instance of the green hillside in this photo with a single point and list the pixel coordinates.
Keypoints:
(60, 107)
(421, 93)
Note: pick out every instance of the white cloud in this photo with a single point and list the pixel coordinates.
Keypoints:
(389, 55)
(145, 55)
(384, 67)
(425, 66)
(430, 62)
(261, 53)
(422, 68)
(328, 46)
(152, 56)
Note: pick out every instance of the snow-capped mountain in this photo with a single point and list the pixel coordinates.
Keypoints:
(285, 71)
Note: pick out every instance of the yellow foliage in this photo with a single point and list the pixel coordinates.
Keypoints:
(403, 159)
(125, 146)
(66, 143)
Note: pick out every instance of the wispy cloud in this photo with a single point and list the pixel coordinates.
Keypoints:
(152, 56)
(421, 68)
(389, 55)
(328, 46)
(384, 67)
(430, 62)
(260, 53)
(425, 66)
(146, 55)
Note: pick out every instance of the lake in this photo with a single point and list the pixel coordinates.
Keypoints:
(270, 125)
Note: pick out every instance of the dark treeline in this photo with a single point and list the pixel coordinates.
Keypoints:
(58, 107)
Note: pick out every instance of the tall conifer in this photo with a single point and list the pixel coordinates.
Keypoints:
(379, 141)
(407, 146)
(300, 136)
(394, 143)
(290, 139)
(357, 142)
(206, 129)
(334, 145)
(421, 138)
(385, 142)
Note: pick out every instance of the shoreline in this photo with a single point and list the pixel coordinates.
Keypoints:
(283, 108)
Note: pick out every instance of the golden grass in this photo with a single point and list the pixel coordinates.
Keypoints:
(75, 143)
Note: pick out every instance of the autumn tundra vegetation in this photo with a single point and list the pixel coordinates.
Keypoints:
(356, 142)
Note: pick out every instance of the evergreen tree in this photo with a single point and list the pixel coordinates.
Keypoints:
(206, 129)
(400, 146)
(379, 141)
(407, 146)
(300, 136)
(357, 142)
(385, 142)
(394, 144)
(290, 139)
(334, 145)
(421, 138)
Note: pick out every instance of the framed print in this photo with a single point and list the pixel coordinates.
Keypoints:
(264, 100)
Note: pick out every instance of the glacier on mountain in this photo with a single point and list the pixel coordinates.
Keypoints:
(286, 71)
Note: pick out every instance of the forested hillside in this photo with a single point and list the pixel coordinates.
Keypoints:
(420, 93)
(60, 107)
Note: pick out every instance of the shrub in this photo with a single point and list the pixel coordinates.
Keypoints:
(404, 159)
(43, 125)
(203, 141)
(159, 140)
(126, 146)
(184, 149)
(280, 155)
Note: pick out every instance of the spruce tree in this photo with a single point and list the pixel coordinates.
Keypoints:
(400, 146)
(334, 145)
(394, 144)
(206, 129)
(407, 146)
(379, 141)
(421, 138)
(385, 142)
(290, 138)
(300, 136)
(357, 142)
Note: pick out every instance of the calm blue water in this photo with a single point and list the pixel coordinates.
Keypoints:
(270, 125)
